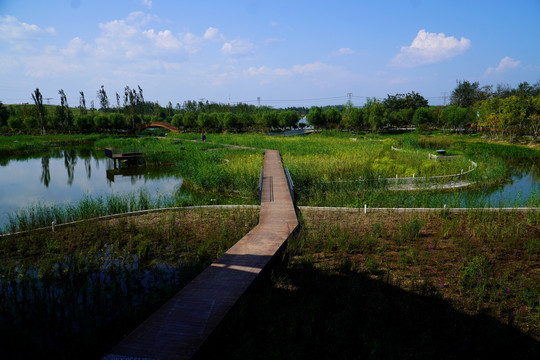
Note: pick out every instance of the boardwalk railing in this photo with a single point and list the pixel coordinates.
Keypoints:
(414, 178)
(261, 184)
(290, 183)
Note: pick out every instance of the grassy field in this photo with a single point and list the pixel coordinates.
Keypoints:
(407, 286)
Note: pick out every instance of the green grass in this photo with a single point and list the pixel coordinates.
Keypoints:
(76, 292)
(347, 287)
(26, 144)
(319, 163)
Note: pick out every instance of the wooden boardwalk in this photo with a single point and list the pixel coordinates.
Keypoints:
(180, 327)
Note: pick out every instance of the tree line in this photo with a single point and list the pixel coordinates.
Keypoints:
(130, 110)
(501, 111)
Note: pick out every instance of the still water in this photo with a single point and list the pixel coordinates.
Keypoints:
(68, 175)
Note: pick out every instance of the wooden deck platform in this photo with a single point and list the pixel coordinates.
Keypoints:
(179, 328)
(123, 156)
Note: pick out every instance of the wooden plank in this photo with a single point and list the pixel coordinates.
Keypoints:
(179, 328)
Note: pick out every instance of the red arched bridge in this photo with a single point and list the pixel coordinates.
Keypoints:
(162, 124)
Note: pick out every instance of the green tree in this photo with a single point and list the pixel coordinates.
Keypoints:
(534, 118)
(177, 120)
(410, 100)
(288, 119)
(423, 118)
(4, 114)
(103, 99)
(134, 105)
(82, 103)
(31, 122)
(189, 120)
(332, 117)
(270, 119)
(230, 121)
(316, 117)
(64, 116)
(84, 122)
(246, 119)
(457, 117)
(375, 113)
(401, 117)
(352, 117)
(169, 112)
(117, 121)
(14, 122)
(207, 121)
(38, 100)
(101, 122)
(465, 94)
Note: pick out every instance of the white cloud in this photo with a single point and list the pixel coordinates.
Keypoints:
(75, 47)
(238, 48)
(342, 51)
(266, 71)
(316, 67)
(429, 48)
(163, 39)
(505, 64)
(213, 34)
(128, 39)
(147, 3)
(13, 30)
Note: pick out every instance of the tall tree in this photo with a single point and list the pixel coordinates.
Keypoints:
(288, 118)
(82, 103)
(38, 100)
(140, 101)
(375, 113)
(465, 94)
(64, 114)
(410, 100)
(103, 99)
(170, 111)
(333, 117)
(316, 117)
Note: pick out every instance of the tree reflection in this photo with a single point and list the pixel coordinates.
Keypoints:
(70, 160)
(88, 167)
(45, 172)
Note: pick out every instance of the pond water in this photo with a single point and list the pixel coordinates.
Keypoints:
(68, 175)
(522, 185)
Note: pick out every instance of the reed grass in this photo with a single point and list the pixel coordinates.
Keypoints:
(349, 288)
(76, 292)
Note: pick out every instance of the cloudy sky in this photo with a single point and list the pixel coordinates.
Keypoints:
(288, 53)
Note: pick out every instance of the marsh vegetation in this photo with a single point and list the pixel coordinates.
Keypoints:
(348, 283)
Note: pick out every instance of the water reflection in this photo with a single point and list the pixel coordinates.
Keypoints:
(45, 172)
(70, 174)
(70, 160)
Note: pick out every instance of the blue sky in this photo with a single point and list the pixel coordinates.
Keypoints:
(288, 53)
